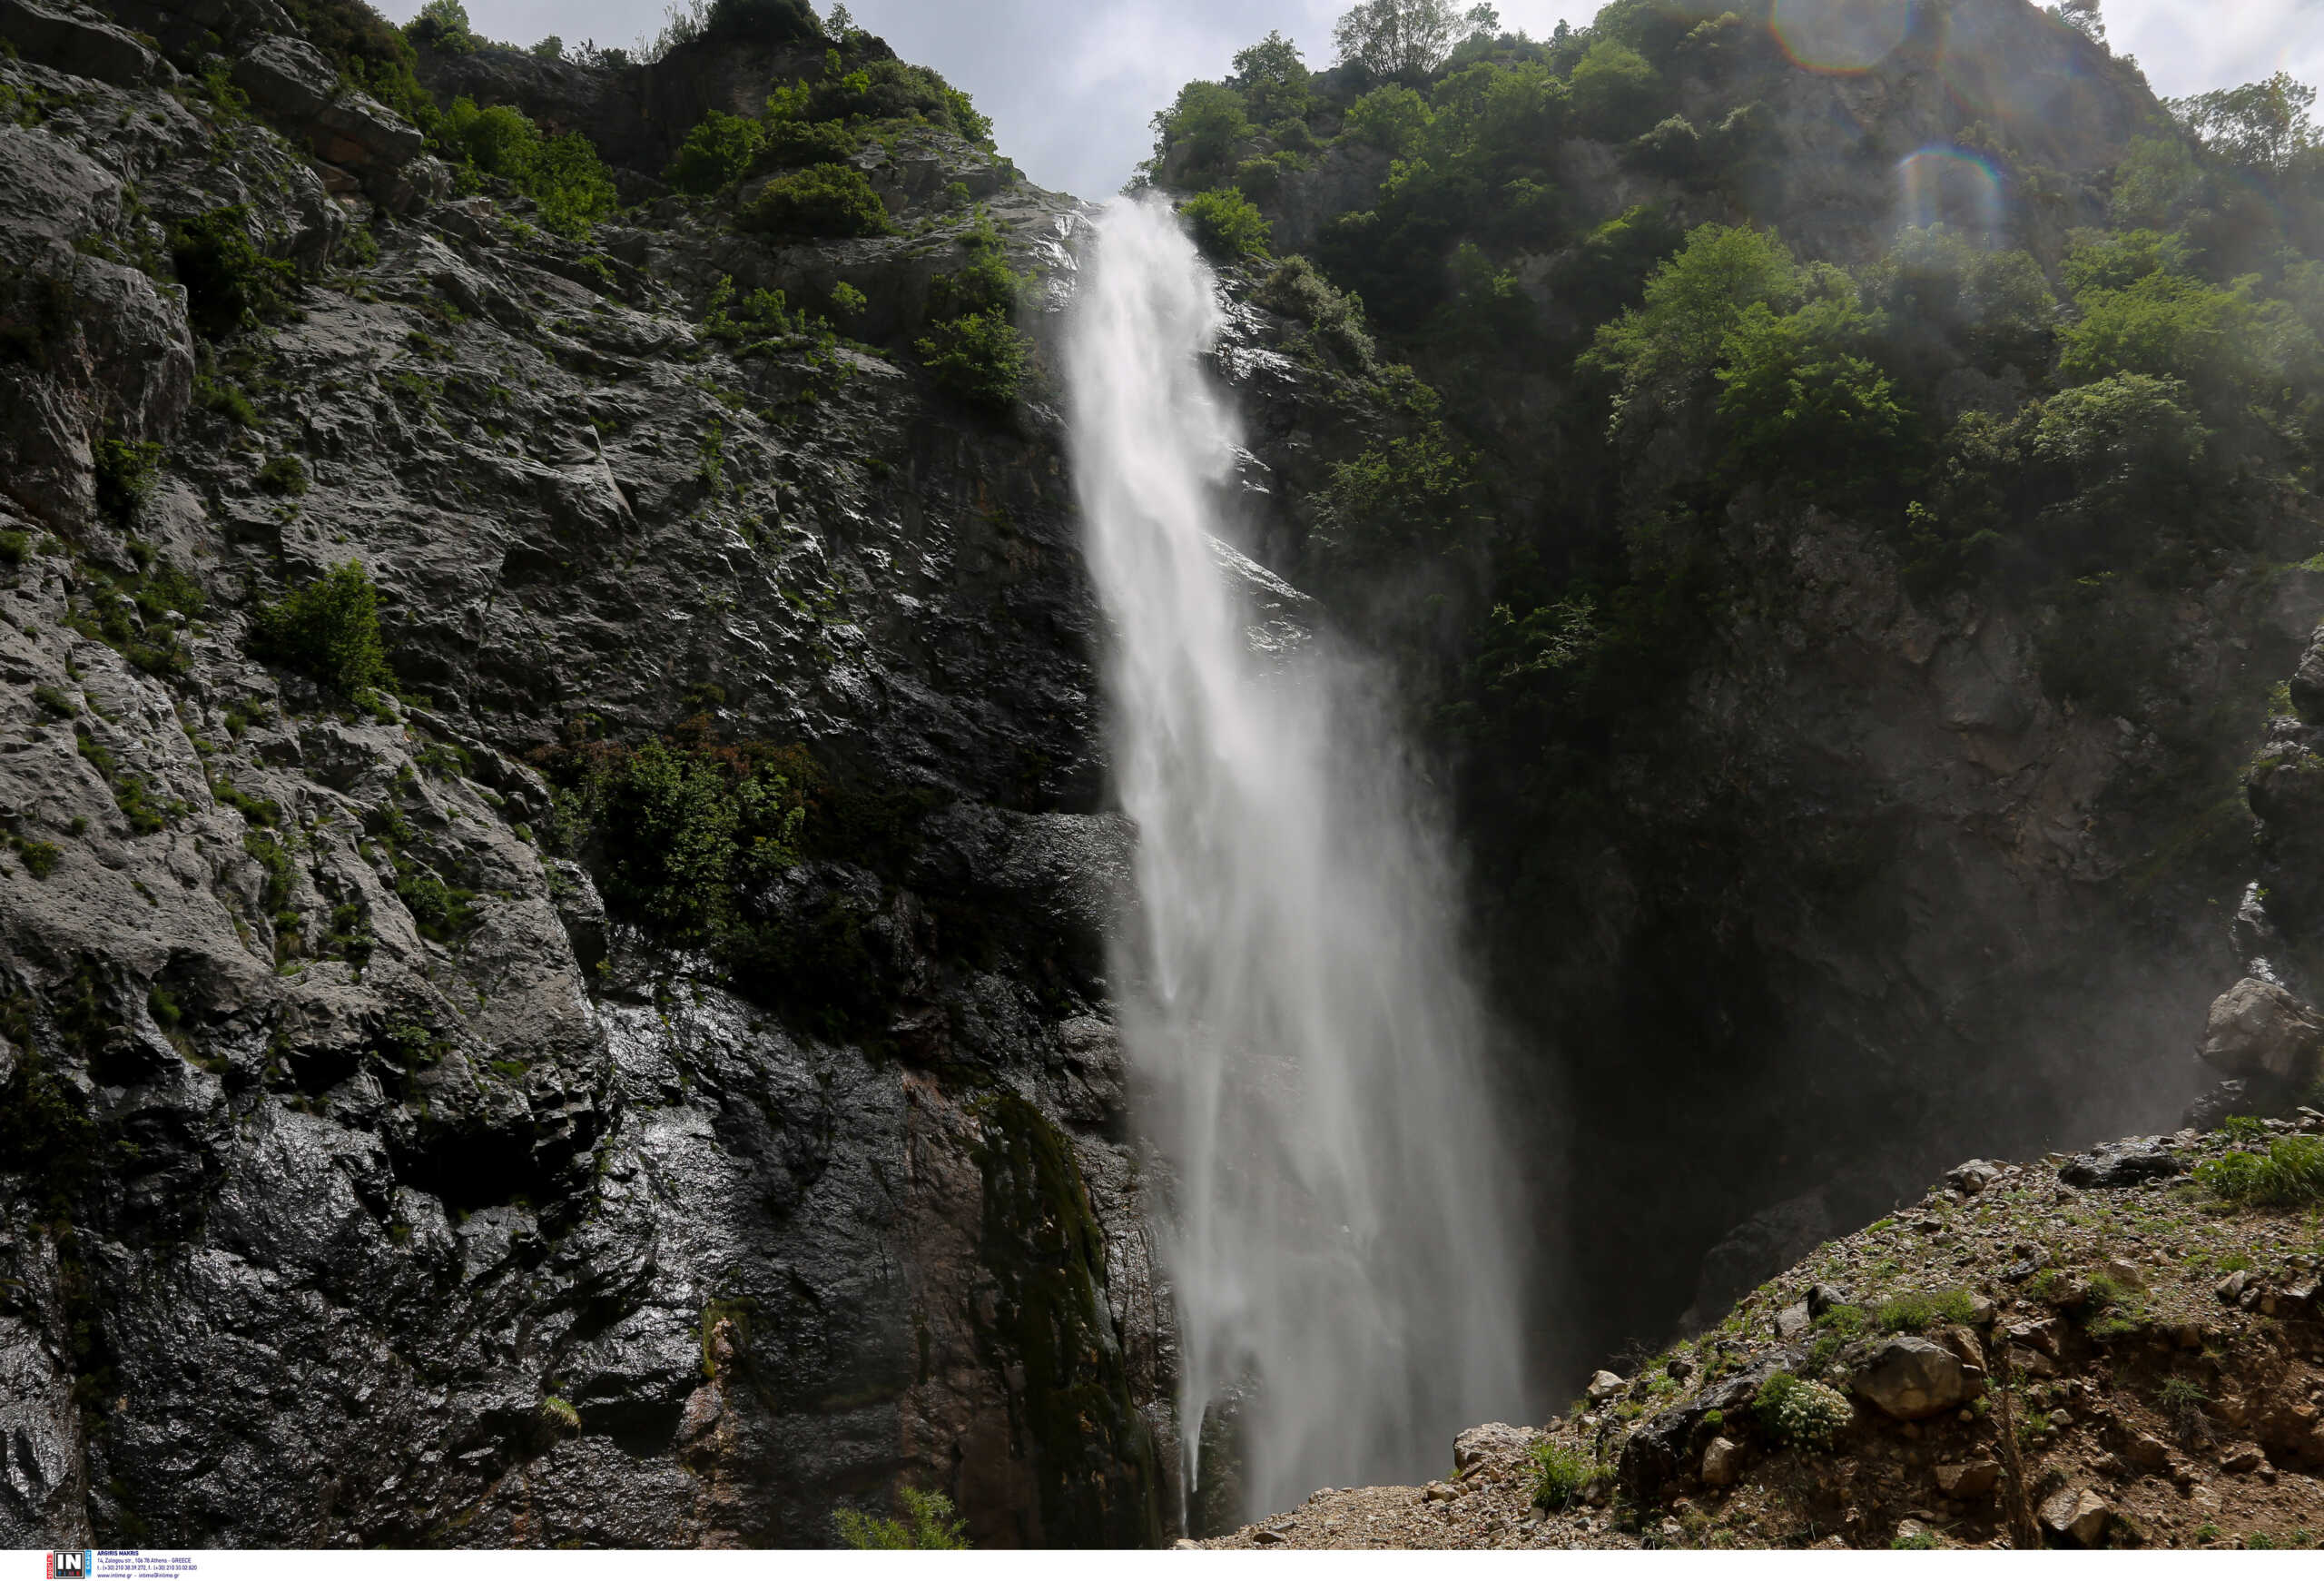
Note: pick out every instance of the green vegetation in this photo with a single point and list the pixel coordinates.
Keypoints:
(719, 151)
(823, 200)
(928, 1522)
(973, 346)
(230, 283)
(1560, 1475)
(285, 475)
(1225, 225)
(563, 175)
(1919, 1311)
(701, 827)
(125, 475)
(2289, 1174)
(330, 631)
(1800, 1413)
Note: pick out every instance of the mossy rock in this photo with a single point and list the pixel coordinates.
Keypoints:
(1094, 1456)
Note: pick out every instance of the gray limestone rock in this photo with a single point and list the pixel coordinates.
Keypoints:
(1912, 1378)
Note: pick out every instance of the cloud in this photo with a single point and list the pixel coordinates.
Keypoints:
(1071, 84)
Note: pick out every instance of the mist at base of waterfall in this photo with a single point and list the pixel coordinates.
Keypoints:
(1308, 1055)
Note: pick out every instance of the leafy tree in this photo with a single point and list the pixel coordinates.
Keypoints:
(1392, 38)
(1391, 118)
(549, 48)
(2082, 17)
(823, 200)
(2156, 183)
(1227, 225)
(2261, 125)
(1207, 120)
(1272, 78)
(1798, 401)
(1617, 93)
(2166, 325)
(442, 26)
(1667, 347)
(721, 148)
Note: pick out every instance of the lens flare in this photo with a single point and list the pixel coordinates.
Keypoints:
(1840, 36)
(1944, 185)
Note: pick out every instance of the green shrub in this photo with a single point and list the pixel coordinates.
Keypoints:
(329, 630)
(1616, 93)
(1202, 127)
(1920, 1310)
(1227, 225)
(1798, 402)
(563, 175)
(1297, 289)
(125, 475)
(928, 1523)
(823, 200)
(720, 150)
(443, 25)
(1799, 1413)
(230, 284)
(756, 320)
(2289, 1174)
(226, 399)
(39, 857)
(789, 143)
(1560, 1474)
(1391, 118)
(694, 829)
(982, 357)
(284, 475)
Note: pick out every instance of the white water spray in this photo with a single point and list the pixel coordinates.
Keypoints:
(1307, 1049)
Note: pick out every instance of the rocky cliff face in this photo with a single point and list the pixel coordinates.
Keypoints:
(1852, 882)
(363, 1181)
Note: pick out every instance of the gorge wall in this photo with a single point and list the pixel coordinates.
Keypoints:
(366, 1181)
(621, 1053)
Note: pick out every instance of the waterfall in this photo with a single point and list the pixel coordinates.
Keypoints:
(1306, 1051)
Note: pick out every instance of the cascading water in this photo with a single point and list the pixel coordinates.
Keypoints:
(1308, 1053)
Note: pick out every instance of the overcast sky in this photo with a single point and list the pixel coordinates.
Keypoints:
(1071, 83)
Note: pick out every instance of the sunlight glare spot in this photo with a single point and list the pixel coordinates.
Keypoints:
(1840, 36)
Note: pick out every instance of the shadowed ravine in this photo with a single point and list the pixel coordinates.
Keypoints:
(1309, 1054)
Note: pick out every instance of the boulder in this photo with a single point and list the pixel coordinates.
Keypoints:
(2258, 1030)
(2077, 1515)
(289, 79)
(2121, 1164)
(54, 37)
(1793, 1321)
(1974, 1176)
(1493, 1438)
(1722, 1463)
(1968, 1478)
(1911, 1379)
(2307, 685)
(1605, 1386)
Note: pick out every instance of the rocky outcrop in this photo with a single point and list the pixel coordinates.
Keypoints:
(364, 1176)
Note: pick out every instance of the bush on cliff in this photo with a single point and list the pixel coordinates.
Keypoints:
(720, 150)
(823, 200)
(563, 175)
(1225, 225)
(330, 631)
(230, 283)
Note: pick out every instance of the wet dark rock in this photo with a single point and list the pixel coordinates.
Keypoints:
(2132, 1161)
